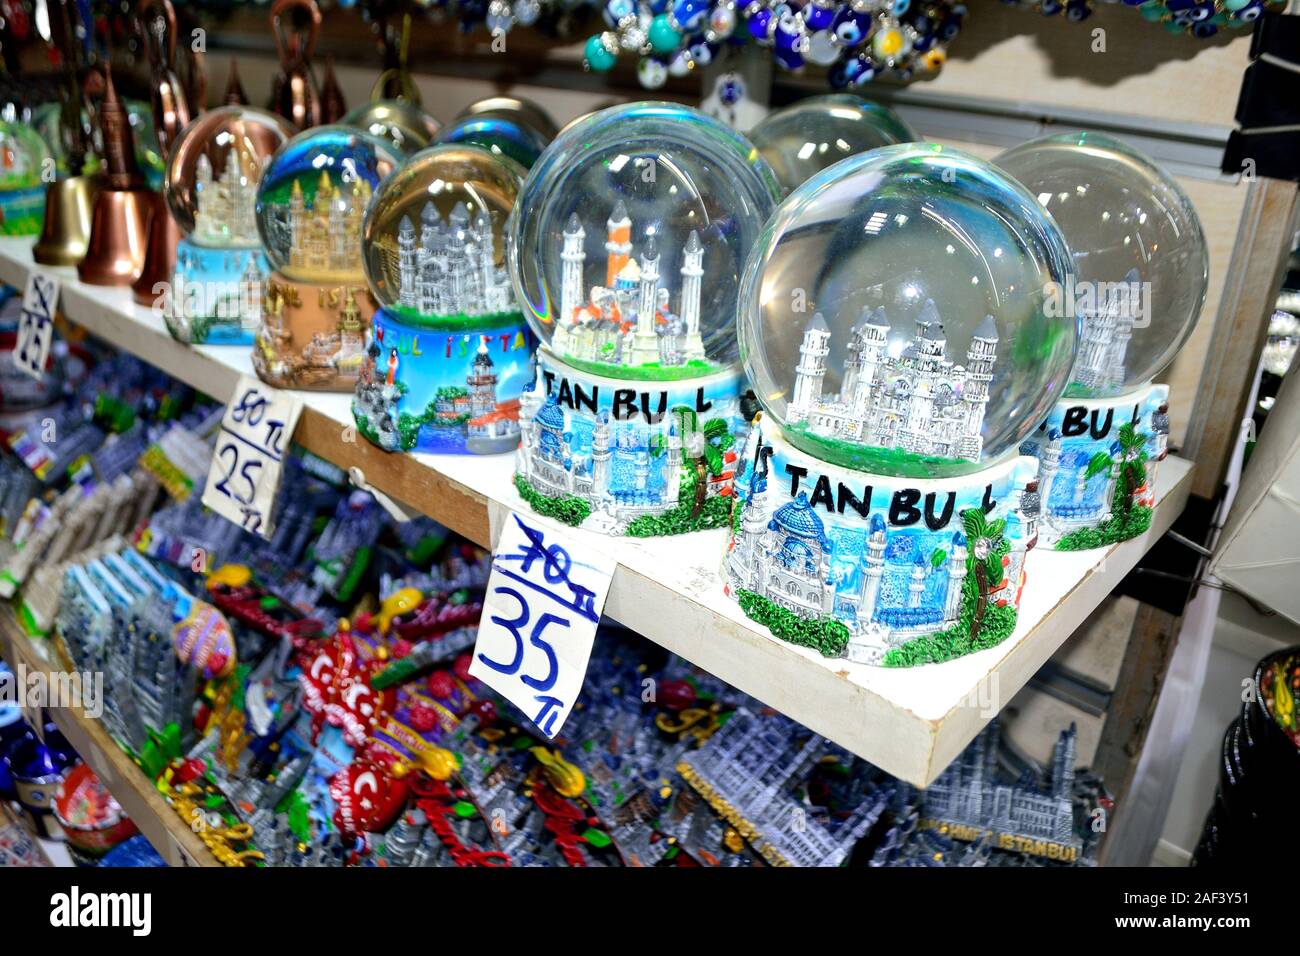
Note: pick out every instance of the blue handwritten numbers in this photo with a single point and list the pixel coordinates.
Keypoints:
(536, 633)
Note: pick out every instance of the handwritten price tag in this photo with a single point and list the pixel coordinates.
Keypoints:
(544, 599)
(249, 455)
(36, 324)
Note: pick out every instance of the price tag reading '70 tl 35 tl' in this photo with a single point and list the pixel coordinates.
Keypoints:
(249, 455)
(544, 599)
(36, 324)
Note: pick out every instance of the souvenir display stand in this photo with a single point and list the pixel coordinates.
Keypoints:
(967, 577)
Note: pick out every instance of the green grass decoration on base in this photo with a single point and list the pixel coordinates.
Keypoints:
(715, 514)
(1111, 531)
(649, 372)
(569, 509)
(1128, 519)
(956, 641)
(883, 461)
(825, 635)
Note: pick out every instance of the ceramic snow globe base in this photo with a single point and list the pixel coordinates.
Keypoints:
(879, 570)
(1097, 467)
(441, 391)
(312, 334)
(625, 457)
(216, 296)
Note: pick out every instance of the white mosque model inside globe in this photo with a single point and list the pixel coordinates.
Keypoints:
(449, 353)
(626, 249)
(1141, 271)
(895, 322)
(213, 172)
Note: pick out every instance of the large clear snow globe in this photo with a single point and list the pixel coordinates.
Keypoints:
(629, 238)
(806, 137)
(312, 201)
(214, 170)
(404, 125)
(503, 135)
(1140, 261)
(894, 316)
(434, 237)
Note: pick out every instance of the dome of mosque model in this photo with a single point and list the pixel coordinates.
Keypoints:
(1140, 260)
(895, 315)
(312, 201)
(628, 258)
(804, 138)
(551, 416)
(798, 518)
(433, 242)
(214, 170)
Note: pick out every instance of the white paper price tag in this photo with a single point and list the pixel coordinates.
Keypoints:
(544, 599)
(36, 324)
(249, 454)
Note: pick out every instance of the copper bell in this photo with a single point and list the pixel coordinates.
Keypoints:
(119, 223)
(332, 104)
(294, 94)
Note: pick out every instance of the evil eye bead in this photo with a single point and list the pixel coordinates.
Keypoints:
(652, 73)
(822, 49)
(818, 15)
(689, 13)
(1250, 13)
(617, 10)
(722, 22)
(760, 25)
(899, 7)
(701, 52)
(1153, 11)
(852, 29)
(1203, 31)
(1050, 8)
(1201, 12)
(890, 43)
(527, 11)
(601, 52)
(663, 36)
(680, 64)
(1077, 12)
(933, 60)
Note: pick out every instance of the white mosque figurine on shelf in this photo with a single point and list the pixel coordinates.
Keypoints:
(449, 266)
(628, 321)
(916, 400)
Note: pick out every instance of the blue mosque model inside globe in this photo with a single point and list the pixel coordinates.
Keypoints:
(449, 353)
(894, 321)
(626, 249)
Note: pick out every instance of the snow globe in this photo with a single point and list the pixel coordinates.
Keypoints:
(311, 205)
(24, 161)
(501, 134)
(449, 351)
(806, 137)
(894, 321)
(405, 126)
(212, 177)
(626, 248)
(1141, 269)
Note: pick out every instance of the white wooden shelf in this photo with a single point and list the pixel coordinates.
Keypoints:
(910, 722)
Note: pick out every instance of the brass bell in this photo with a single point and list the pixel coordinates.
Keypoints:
(65, 235)
(294, 93)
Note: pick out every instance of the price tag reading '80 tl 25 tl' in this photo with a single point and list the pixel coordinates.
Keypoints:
(249, 454)
(544, 599)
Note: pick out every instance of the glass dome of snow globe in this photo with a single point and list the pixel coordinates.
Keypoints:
(806, 137)
(638, 222)
(313, 197)
(500, 134)
(23, 158)
(894, 317)
(214, 170)
(405, 126)
(524, 111)
(445, 200)
(1140, 259)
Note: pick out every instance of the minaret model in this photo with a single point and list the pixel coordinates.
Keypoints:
(811, 369)
(618, 244)
(692, 273)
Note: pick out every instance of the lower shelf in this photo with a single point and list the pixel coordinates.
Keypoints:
(152, 815)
